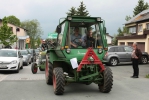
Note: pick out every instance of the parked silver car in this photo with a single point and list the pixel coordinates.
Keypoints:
(26, 57)
(118, 54)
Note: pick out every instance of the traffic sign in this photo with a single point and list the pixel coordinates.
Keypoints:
(52, 35)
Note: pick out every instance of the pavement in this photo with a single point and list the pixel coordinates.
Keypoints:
(28, 86)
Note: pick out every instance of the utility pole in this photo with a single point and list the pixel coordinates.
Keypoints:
(17, 30)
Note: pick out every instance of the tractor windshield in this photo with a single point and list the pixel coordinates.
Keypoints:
(83, 35)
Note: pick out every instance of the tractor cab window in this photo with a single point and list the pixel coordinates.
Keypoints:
(60, 36)
(83, 35)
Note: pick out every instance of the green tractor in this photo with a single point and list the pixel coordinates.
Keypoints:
(40, 62)
(78, 60)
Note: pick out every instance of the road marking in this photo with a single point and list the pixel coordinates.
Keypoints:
(2, 77)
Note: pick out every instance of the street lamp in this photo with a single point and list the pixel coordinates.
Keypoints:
(17, 30)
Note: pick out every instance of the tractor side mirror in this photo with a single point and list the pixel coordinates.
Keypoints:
(105, 30)
(58, 29)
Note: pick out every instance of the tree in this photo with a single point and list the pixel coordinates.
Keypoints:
(81, 11)
(72, 11)
(114, 41)
(127, 18)
(33, 30)
(140, 7)
(6, 35)
(13, 20)
(38, 41)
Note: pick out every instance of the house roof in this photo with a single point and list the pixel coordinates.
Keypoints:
(109, 35)
(15, 25)
(144, 15)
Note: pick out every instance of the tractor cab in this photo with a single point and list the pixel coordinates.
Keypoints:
(76, 34)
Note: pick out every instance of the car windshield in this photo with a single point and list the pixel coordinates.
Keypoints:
(8, 53)
(30, 50)
(24, 52)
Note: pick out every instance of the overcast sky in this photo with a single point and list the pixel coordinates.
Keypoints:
(48, 12)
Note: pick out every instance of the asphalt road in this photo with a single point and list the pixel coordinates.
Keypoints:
(28, 86)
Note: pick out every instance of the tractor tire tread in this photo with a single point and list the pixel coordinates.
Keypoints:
(58, 72)
(107, 82)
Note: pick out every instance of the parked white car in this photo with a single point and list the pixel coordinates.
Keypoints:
(11, 59)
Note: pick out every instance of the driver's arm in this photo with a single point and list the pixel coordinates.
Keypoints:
(73, 44)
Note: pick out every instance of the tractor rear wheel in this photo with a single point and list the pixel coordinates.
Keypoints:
(107, 82)
(34, 68)
(49, 73)
(58, 81)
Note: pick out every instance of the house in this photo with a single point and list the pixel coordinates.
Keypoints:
(21, 35)
(139, 29)
(109, 39)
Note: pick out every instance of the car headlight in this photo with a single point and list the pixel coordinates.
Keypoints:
(13, 62)
(100, 50)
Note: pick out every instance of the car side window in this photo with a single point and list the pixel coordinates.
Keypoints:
(121, 49)
(116, 49)
(111, 50)
(128, 49)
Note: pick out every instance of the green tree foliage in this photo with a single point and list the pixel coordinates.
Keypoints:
(127, 18)
(114, 41)
(140, 7)
(6, 35)
(33, 30)
(72, 11)
(81, 11)
(38, 41)
(13, 20)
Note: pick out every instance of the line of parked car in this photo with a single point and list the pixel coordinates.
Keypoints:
(14, 59)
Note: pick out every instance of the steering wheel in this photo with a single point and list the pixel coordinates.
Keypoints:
(77, 42)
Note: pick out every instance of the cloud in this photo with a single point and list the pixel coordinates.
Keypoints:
(48, 12)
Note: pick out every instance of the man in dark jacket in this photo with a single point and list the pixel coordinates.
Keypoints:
(44, 45)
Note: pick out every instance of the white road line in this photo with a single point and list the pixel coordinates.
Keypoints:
(2, 77)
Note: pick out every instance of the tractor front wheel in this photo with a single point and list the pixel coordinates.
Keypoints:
(107, 82)
(34, 68)
(58, 81)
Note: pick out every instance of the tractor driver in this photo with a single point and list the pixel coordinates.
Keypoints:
(76, 38)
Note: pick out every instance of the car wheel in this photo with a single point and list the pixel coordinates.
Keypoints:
(113, 61)
(18, 69)
(21, 67)
(144, 60)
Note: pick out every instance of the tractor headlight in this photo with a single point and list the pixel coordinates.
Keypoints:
(68, 50)
(69, 18)
(98, 19)
(100, 50)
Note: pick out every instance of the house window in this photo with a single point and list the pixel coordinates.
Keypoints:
(132, 30)
(139, 28)
(147, 26)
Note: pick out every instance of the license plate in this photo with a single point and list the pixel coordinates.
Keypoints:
(2, 66)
